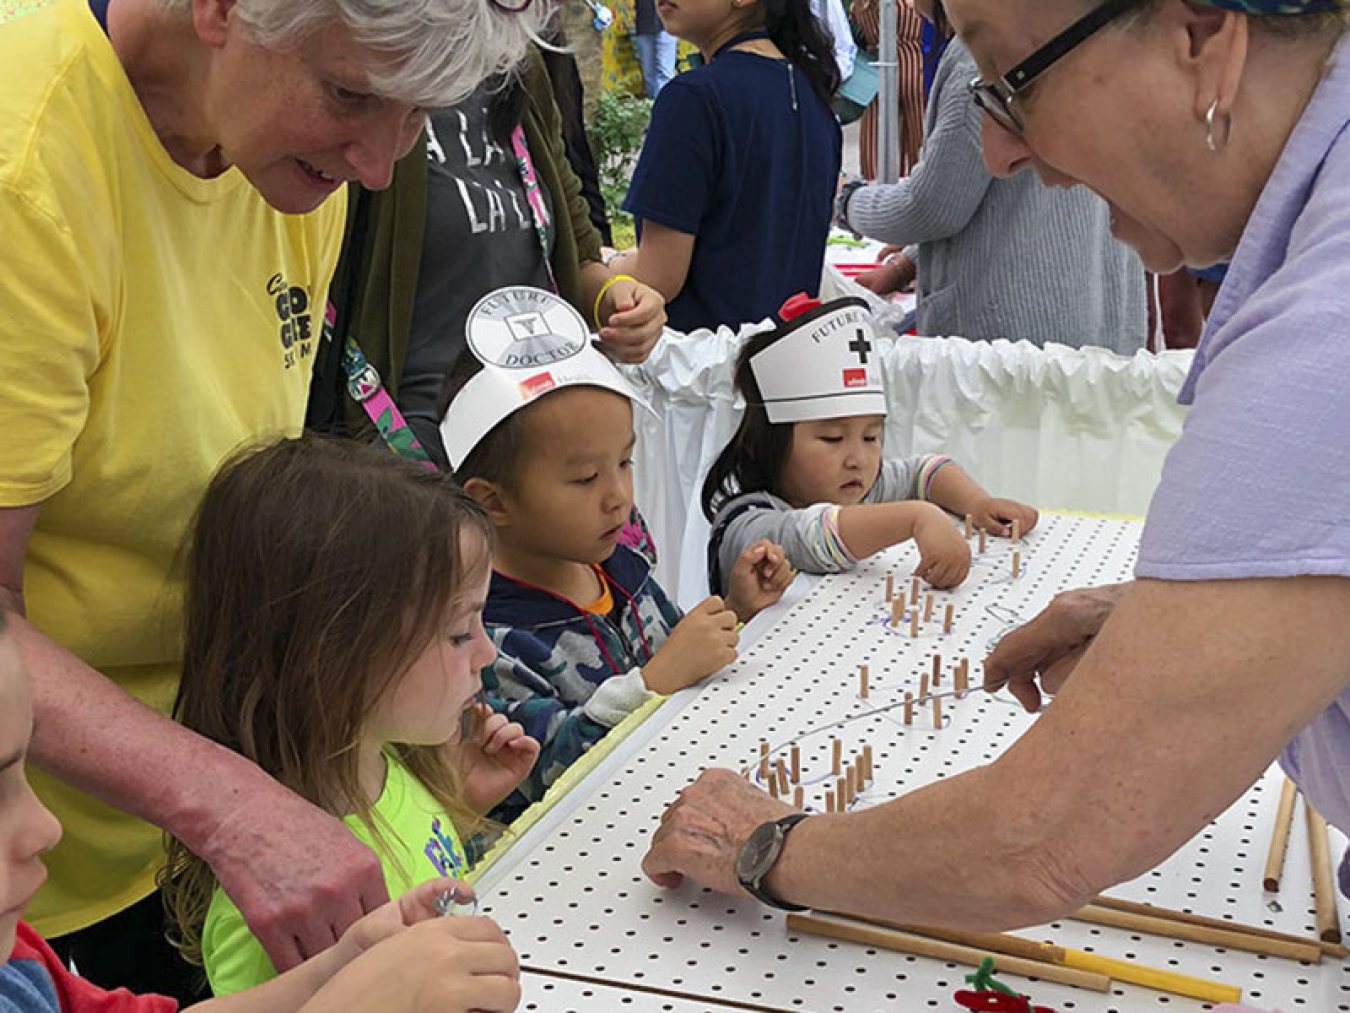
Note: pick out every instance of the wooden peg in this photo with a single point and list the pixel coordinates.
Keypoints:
(862, 681)
(914, 590)
(890, 587)
(798, 798)
(914, 622)
(850, 783)
(867, 762)
(838, 757)
(937, 669)
(1017, 564)
(923, 684)
(841, 794)
(781, 767)
(947, 615)
(829, 801)
(970, 525)
(1016, 531)
(773, 783)
(928, 603)
(796, 764)
(959, 677)
(897, 610)
(763, 760)
(982, 542)
(909, 707)
(937, 712)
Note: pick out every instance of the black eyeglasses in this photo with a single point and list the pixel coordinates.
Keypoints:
(996, 97)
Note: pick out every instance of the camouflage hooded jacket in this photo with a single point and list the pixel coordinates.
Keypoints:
(567, 675)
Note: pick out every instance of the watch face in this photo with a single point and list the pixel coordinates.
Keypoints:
(759, 852)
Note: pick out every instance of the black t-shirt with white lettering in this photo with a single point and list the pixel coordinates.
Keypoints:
(479, 236)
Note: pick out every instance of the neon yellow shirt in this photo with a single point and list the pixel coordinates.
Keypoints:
(153, 322)
(421, 845)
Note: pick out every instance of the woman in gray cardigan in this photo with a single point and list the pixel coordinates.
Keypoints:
(1000, 258)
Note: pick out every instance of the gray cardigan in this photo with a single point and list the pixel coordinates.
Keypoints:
(1003, 258)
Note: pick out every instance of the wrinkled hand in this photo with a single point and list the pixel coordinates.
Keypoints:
(704, 829)
(634, 315)
(297, 874)
(996, 516)
(1049, 647)
(758, 578)
(451, 965)
(500, 756)
(944, 556)
(703, 642)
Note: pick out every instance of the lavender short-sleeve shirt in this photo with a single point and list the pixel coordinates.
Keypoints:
(1258, 485)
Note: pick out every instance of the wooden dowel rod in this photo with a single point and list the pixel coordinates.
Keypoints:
(1229, 938)
(1324, 883)
(1279, 840)
(1117, 904)
(834, 927)
(993, 942)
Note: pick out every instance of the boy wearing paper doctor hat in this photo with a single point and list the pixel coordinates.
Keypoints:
(539, 429)
(805, 468)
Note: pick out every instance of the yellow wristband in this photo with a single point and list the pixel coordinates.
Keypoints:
(609, 282)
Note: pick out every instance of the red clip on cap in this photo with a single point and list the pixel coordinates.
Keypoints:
(796, 306)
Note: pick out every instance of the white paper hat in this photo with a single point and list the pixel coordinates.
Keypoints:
(823, 365)
(530, 342)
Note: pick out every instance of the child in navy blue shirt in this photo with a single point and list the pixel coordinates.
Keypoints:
(734, 187)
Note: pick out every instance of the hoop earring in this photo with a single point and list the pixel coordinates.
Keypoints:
(1217, 144)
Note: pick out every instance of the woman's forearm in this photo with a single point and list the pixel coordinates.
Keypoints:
(1161, 727)
(94, 735)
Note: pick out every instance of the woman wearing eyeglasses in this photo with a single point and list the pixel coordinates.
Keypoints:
(1214, 131)
(996, 258)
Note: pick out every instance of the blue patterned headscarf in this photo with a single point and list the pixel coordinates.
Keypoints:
(1276, 6)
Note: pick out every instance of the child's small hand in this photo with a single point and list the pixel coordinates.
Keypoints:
(758, 578)
(996, 516)
(498, 758)
(944, 556)
(702, 643)
(417, 905)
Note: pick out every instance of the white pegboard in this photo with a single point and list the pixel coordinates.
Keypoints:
(577, 900)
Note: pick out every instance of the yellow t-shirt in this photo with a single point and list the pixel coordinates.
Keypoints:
(422, 845)
(153, 322)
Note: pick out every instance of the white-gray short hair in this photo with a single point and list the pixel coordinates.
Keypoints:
(438, 51)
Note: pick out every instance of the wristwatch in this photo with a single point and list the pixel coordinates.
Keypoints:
(758, 855)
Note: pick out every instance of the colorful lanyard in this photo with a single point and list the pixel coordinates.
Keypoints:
(367, 389)
(534, 196)
(364, 383)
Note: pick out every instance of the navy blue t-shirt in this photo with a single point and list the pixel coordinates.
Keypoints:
(744, 156)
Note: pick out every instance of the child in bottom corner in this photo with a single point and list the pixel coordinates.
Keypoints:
(584, 632)
(334, 637)
(403, 938)
(805, 467)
